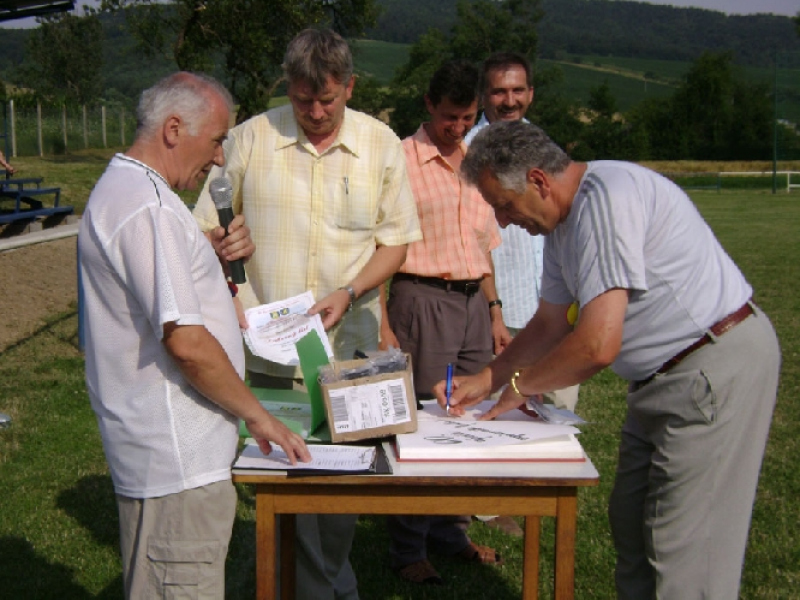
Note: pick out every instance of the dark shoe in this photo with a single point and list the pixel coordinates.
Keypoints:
(505, 524)
(421, 571)
(480, 554)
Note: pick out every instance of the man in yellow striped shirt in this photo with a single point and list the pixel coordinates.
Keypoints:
(325, 193)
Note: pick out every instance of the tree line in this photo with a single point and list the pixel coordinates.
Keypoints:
(615, 27)
(714, 113)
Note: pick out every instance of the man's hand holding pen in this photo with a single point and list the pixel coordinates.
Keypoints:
(465, 391)
(468, 390)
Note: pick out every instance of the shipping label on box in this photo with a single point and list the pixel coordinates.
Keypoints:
(370, 407)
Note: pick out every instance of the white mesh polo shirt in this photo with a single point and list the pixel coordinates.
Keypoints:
(144, 262)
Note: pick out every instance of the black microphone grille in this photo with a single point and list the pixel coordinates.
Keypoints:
(221, 192)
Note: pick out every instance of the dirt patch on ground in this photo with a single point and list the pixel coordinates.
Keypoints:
(36, 281)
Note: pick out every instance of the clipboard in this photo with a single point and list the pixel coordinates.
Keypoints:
(252, 459)
(380, 466)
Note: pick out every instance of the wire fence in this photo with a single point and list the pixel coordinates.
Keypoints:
(780, 181)
(38, 129)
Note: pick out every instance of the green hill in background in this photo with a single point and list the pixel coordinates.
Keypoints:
(616, 28)
(629, 83)
(126, 71)
(379, 59)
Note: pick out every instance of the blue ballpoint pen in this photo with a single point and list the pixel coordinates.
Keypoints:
(449, 385)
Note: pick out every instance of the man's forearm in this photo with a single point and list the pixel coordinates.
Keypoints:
(561, 357)
(570, 362)
(380, 267)
(542, 333)
(204, 363)
(490, 291)
(488, 286)
(206, 366)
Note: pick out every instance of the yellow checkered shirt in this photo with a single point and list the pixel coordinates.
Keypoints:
(316, 219)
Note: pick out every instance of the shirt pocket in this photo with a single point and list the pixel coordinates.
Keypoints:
(484, 237)
(354, 204)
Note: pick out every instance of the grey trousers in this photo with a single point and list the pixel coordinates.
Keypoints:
(322, 549)
(412, 534)
(175, 546)
(689, 459)
(436, 327)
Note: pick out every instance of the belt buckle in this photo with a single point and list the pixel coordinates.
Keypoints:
(471, 288)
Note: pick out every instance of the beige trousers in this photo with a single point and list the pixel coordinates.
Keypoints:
(175, 545)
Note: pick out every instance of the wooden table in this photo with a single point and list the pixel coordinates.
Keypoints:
(532, 490)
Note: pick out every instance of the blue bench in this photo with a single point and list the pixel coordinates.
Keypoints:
(25, 193)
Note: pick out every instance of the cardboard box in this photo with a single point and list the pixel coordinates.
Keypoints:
(370, 407)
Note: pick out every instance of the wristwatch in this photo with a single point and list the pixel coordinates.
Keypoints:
(349, 289)
(497, 302)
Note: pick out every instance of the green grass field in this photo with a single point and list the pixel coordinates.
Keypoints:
(75, 173)
(669, 71)
(58, 527)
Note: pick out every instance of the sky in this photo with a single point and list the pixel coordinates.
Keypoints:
(739, 7)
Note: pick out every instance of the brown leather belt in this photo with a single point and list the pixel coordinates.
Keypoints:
(468, 287)
(717, 329)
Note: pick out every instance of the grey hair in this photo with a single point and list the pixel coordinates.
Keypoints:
(509, 149)
(184, 94)
(316, 54)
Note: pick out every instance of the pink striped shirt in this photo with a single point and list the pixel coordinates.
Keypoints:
(458, 226)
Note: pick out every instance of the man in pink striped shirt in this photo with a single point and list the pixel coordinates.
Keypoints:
(442, 306)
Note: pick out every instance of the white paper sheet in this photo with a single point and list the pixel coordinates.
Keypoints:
(512, 434)
(275, 328)
(499, 432)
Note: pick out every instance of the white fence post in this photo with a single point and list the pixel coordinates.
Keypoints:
(13, 129)
(103, 124)
(64, 124)
(85, 129)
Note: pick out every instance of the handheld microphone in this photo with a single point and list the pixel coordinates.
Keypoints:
(222, 194)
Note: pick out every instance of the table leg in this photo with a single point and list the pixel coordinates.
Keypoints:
(266, 581)
(288, 572)
(566, 525)
(530, 558)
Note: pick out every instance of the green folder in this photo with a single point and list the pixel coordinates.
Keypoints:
(301, 411)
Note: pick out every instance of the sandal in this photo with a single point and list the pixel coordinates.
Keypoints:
(421, 571)
(481, 554)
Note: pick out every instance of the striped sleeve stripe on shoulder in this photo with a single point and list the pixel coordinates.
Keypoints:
(612, 270)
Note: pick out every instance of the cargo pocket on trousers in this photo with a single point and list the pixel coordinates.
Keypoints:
(179, 566)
